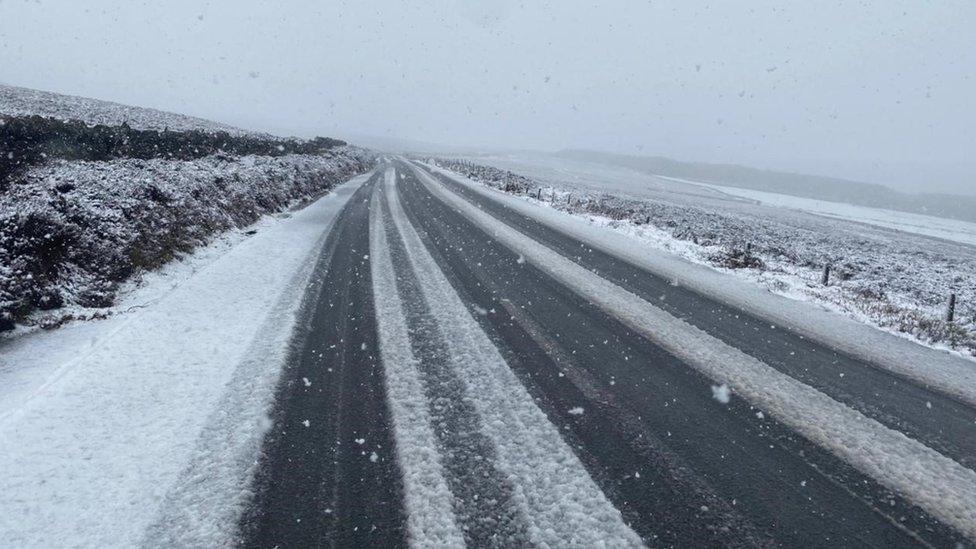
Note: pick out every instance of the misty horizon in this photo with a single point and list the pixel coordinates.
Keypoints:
(861, 92)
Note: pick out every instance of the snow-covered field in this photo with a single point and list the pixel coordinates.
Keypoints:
(896, 280)
(949, 229)
(15, 101)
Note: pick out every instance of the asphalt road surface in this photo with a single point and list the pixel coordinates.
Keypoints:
(447, 389)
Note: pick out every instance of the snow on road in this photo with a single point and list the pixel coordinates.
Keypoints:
(560, 500)
(145, 428)
(99, 442)
(936, 483)
(427, 499)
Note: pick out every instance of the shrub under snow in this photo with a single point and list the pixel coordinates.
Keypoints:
(71, 232)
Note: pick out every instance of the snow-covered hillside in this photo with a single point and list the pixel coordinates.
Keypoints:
(15, 101)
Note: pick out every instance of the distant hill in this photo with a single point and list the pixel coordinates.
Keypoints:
(806, 186)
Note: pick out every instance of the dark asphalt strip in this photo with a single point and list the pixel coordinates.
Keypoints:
(659, 418)
(328, 476)
(483, 502)
(937, 420)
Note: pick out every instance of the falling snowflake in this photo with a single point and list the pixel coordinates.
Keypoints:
(721, 393)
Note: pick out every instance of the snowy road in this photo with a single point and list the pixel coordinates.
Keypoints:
(466, 369)
(540, 391)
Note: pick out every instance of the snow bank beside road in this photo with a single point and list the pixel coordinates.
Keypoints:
(94, 450)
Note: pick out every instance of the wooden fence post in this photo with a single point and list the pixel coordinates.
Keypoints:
(951, 311)
(825, 279)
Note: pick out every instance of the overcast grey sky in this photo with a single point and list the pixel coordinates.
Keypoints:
(879, 90)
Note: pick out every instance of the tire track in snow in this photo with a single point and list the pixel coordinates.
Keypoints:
(658, 494)
(328, 476)
(203, 508)
(428, 501)
(561, 502)
(483, 502)
(936, 483)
